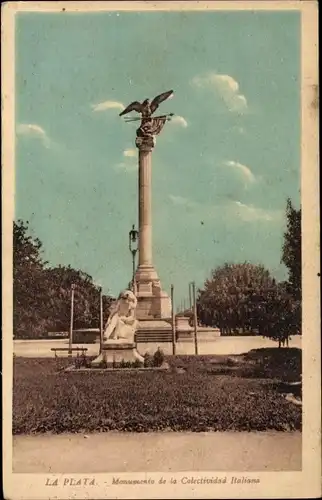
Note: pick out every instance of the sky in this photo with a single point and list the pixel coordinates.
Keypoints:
(221, 170)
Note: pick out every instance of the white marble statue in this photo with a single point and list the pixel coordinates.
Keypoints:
(121, 324)
(118, 337)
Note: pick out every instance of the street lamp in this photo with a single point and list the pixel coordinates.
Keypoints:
(101, 317)
(133, 247)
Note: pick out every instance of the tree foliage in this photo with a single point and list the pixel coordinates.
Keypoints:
(292, 249)
(246, 297)
(230, 298)
(281, 316)
(42, 293)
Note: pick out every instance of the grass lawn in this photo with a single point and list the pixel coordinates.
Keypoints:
(198, 393)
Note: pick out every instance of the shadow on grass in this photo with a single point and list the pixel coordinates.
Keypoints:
(284, 364)
(199, 393)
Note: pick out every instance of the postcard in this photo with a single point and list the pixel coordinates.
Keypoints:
(161, 320)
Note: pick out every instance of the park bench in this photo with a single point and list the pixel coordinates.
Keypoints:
(83, 350)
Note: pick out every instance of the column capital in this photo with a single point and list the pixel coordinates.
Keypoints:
(145, 143)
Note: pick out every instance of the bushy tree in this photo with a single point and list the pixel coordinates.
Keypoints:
(229, 298)
(28, 285)
(292, 249)
(42, 293)
(86, 298)
(245, 296)
(281, 315)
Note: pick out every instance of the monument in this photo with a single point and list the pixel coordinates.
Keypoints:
(154, 304)
(145, 313)
(118, 338)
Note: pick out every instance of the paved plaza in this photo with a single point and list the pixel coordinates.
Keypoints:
(164, 452)
(207, 344)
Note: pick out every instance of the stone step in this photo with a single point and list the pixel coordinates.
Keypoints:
(152, 336)
(165, 336)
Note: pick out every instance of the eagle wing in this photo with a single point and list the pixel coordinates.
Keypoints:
(160, 98)
(134, 106)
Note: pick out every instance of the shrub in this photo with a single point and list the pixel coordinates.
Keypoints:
(125, 364)
(148, 360)
(158, 357)
(137, 364)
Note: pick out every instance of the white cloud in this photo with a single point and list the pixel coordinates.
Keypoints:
(103, 106)
(178, 200)
(250, 213)
(246, 171)
(130, 153)
(33, 130)
(227, 87)
(226, 210)
(126, 167)
(179, 120)
(181, 201)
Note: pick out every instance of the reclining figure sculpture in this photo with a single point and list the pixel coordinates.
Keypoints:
(122, 323)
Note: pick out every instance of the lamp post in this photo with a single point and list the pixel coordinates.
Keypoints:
(133, 247)
(190, 297)
(101, 317)
(173, 318)
(195, 319)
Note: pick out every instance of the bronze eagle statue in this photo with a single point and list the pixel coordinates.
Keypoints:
(147, 108)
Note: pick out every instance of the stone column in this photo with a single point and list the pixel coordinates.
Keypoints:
(152, 302)
(146, 273)
(145, 208)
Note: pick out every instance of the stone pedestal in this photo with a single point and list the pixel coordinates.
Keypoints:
(116, 351)
(153, 303)
(185, 330)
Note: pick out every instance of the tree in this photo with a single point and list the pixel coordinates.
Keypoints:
(229, 298)
(245, 296)
(86, 298)
(292, 249)
(42, 293)
(28, 286)
(281, 314)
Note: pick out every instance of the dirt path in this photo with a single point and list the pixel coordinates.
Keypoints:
(164, 452)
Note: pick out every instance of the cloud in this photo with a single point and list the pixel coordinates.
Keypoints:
(179, 200)
(227, 87)
(246, 171)
(226, 210)
(130, 153)
(250, 213)
(129, 165)
(34, 131)
(126, 167)
(103, 106)
(179, 120)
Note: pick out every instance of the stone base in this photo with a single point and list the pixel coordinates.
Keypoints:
(116, 352)
(203, 332)
(154, 330)
(160, 330)
(153, 302)
(153, 307)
